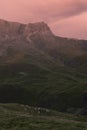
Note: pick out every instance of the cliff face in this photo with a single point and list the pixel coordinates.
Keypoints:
(19, 40)
(37, 39)
(9, 29)
(37, 28)
(15, 34)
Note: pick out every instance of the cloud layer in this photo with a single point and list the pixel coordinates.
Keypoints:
(57, 13)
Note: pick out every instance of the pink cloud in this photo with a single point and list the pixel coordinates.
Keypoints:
(74, 27)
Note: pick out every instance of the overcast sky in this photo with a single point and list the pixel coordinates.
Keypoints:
(66, 18)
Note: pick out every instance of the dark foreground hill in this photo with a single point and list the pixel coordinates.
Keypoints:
(40, 69)
(21, 117)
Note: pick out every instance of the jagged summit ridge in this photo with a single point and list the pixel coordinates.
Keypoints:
(23, 37)
(39, 26)
(14, 28)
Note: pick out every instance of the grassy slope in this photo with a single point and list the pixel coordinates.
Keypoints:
(59, 89)
(20, 117)
(35, 77)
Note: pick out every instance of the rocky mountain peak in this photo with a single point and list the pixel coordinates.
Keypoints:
(14, 29)
(40, 26)
(37, 28)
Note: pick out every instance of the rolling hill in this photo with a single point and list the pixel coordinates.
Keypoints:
(24, 117)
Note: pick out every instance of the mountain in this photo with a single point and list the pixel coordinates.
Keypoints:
(41, 69)
(36, 39)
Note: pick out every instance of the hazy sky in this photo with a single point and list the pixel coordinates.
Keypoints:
(65, 17)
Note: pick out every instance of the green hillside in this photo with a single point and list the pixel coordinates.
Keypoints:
(60, 88)
(21, 117)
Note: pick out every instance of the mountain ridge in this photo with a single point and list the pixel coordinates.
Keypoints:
(37, 36)
(38, 26)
